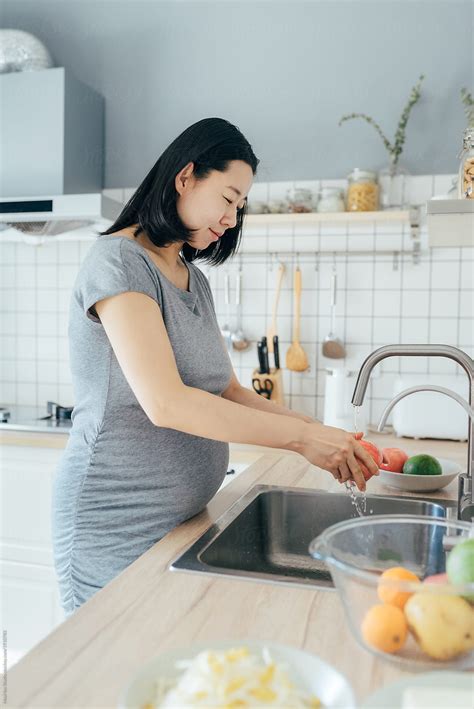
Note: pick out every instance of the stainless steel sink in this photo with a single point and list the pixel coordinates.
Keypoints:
(265, 535)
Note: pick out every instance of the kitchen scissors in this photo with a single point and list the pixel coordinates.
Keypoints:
(265, 390)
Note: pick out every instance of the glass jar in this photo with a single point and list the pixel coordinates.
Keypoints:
(331, 199)
(453, 190)
(299, 200)
(466, 168)
(257, 207)
(362, 191)
(278, 206)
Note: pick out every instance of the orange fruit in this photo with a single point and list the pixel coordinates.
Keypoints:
(385, 628)
(389, 592)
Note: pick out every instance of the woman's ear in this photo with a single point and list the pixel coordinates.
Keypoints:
(183, 177)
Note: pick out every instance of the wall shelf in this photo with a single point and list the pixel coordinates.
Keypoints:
(381, 232)
(405, 216)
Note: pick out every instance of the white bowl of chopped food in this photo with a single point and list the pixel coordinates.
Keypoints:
(237, 673)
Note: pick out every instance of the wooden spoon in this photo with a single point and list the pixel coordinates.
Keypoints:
(272, 329)
(296, 358)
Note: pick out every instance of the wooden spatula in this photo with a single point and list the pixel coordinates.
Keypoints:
(272, 329)
(296, 358)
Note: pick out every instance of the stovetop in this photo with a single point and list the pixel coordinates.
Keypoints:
(51, 418)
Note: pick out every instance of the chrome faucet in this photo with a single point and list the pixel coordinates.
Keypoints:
(466, 488)
(424, 387)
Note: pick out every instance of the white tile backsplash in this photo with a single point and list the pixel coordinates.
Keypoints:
(47, 276)
(361, 301)
(416, 303)
(442, 330)
(358, 329)
(387, 303)
(26, 324)
(467, 274)
(382, 298)
(47, 324)
(444, 303)
(26, 346)
(466, 304)
(445, 275)
(414, 330)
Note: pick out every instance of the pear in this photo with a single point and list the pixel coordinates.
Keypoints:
(443, 625)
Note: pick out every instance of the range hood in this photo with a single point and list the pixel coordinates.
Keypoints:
(52, 147)
(38, 217)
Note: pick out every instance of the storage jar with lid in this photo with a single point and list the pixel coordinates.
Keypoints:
(299, 200)
(362, 191)
(331, 199)
(466, 168)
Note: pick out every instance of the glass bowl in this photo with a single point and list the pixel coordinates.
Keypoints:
(427, 625)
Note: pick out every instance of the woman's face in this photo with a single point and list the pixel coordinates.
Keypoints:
(210, 205)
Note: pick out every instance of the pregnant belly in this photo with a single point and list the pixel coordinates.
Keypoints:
(161, 483)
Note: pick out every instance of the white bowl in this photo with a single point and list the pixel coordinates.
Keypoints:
(391, 695)
(422, 483)
(308, 671)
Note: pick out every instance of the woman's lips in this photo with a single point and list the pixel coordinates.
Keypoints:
(216, 237)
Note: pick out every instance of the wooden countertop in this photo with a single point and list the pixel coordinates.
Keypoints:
(148, 609)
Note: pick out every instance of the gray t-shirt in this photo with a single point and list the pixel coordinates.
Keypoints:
(122, 483)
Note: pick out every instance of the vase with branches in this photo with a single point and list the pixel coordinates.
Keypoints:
(392, 178)
(468, 102)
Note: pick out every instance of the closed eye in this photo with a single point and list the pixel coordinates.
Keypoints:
(229, 201)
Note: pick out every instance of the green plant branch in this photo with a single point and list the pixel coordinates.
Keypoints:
(466, 98)
(372, 123)
(394, 149)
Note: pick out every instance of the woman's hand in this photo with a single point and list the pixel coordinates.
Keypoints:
(339, 452)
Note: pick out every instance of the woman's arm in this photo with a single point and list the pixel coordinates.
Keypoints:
(135, 328)
(247, 397)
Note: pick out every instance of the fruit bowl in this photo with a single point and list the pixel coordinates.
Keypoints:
(379, 566)
(421, 483)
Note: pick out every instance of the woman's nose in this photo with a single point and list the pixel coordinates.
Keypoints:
(230, 220)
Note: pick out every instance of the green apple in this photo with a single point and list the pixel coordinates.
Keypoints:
(460, 564)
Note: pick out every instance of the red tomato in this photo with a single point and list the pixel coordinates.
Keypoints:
(393, 459)
(374, 452)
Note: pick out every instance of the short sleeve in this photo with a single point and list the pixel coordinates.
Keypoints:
(111, 267)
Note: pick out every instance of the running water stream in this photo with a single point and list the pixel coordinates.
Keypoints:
(358, 500)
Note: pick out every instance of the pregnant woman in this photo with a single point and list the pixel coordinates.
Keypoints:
(156, 398)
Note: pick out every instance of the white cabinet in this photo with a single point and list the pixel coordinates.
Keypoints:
(30, 606)
(237, 467)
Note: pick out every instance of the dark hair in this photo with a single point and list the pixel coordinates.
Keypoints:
(211, 144)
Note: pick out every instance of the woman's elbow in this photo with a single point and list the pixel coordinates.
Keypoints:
(167, 411)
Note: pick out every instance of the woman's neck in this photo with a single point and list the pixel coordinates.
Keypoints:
(170, 255)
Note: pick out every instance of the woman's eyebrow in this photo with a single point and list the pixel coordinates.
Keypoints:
(237, 192)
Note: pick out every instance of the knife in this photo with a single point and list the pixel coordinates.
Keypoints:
(276, 352)
(261, 360)
(265, 356)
